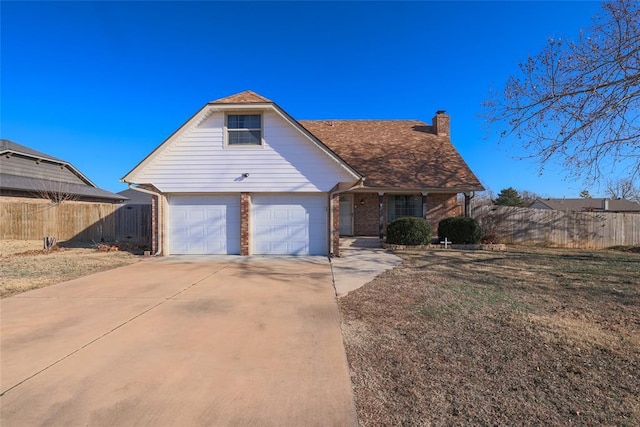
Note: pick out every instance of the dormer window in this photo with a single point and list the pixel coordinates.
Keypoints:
(244, 129)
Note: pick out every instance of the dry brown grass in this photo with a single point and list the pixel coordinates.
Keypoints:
(25, 266)
(525, 337)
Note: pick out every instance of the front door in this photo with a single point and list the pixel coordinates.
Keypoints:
(346, 215)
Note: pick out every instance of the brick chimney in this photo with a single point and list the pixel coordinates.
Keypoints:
(441, 124)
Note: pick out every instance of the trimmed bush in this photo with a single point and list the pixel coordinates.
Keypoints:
(409, 231)
(460, 230)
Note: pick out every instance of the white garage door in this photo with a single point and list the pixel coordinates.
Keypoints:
(204, 225)
(290, 225)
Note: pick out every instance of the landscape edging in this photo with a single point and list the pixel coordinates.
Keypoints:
(500, 247)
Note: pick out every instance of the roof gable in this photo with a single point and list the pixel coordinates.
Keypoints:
(245, 97)
(8, 146)
(26, 170)
(230, 103)
(21, 165)
(396, 153)
(16, 159)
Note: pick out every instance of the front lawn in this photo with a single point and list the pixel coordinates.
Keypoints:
(524, 337)
(25, 266)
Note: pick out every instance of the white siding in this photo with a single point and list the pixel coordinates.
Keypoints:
(198, 161)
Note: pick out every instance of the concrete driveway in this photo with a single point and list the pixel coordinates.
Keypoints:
(178, 343)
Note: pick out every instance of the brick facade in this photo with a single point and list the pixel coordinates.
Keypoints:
(366, 211)
(365, 219)
(334, 230)
(156, 230)
(154, 224)
(365, 214)
(245, 206)
(439, 207)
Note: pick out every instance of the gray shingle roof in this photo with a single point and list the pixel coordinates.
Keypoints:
(8, 145)
(136, 197)
(36, 185)
(27, 170)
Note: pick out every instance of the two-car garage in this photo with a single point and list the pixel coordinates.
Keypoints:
(291, 224)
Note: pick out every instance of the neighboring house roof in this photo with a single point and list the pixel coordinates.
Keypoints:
(136, 197)
(30, 171)
(396, 153)
(36, 185)
(10, 146)
(18, 160)
(590, 204)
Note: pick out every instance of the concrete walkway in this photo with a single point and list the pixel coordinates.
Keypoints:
(178, 342)
(361, 260)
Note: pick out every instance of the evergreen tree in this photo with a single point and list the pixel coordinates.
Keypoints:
(509, 197)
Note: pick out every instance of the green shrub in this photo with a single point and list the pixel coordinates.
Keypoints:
(409, 231)
(460, 230)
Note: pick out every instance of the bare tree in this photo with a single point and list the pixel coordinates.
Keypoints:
(482, 198)
(623, 189)
(529, 197)
(57, 192)
(578, 102)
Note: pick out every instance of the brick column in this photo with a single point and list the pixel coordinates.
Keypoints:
(335, 226)
(424, 205)
(245, 206)
(381, 215)
(154, 224)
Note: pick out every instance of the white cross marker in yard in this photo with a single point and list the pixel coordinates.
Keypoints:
(445, 242)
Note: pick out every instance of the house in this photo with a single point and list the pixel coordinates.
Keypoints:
(42, 196)
(587, 205)
(135, 197)
(134, 219)
(27, 174)
(242, 176)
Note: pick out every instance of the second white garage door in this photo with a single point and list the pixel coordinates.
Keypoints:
(289, 225)
(204, 225)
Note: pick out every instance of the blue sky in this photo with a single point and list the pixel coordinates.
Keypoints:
(101, 84)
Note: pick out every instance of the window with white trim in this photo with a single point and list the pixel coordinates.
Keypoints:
(399, 206)
(244, 129)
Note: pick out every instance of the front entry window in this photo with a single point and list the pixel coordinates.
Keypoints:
(399, 206)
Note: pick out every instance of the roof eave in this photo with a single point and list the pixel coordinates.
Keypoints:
(400, 190)
(61, 163)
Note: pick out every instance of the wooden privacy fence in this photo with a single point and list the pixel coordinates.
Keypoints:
(547, 227)
(86, 222)
(133, 224)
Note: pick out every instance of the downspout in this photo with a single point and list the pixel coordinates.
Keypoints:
(358, 185)
(153, 193)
